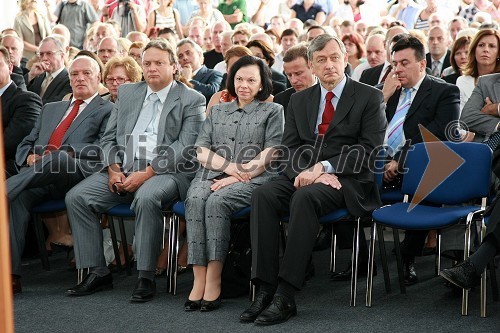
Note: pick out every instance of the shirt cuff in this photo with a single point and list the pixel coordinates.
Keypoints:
(327, 167)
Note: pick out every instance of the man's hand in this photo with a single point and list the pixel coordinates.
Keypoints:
(136, 179)
(187, 72)
(116, 178)
(308, 176)
(32, 158)
(36, 69)
(220, 183)
(236, 170)
(490, 108)
(391, 171)
(391, 84)
(330, 180)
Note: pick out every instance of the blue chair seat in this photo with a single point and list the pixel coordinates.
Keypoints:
(420, 217)
(121, 210)
(334, 216)
(391, 195)
(51, 206)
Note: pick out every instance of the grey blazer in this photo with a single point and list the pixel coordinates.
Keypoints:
(82, 138)
(180, 121)
(25, 31)
(482, 124)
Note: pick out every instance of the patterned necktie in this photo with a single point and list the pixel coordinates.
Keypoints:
(57, 136)
(494, 141)
(395, 134)
(45, 84)
(435, 68)
(327, 114)
(389, 69)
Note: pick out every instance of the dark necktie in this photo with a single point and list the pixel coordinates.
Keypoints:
(58, 134)
(389, 69)
(327, 114)
(494, 141)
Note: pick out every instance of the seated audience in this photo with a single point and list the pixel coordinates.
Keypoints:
(458, 59)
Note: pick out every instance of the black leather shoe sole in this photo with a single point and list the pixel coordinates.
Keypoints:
(85, 293)
(289, 315)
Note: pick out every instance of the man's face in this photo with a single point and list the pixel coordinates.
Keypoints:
(84, 78)
(101, 33)
(188, 56)
(278, 24)
(313, 33)
(438, 42)
(158, 71)
(108, 48)
(196, 35)
(240, 39)
(299, 74)
(5, 71)
(225, 44)
(361, 28)
(218, 28)
(455, 28)
(408, 69)
(52, 58)
(435, 20)
(15, 49)
(375, 51)
(329, 64)
(288, 41)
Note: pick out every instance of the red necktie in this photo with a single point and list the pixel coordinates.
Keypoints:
(327, 114)
(389, 69)
(58, 134)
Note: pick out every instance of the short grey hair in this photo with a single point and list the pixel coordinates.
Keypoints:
(57, 40)
(189, 41)
(94, 64)
(319, 43)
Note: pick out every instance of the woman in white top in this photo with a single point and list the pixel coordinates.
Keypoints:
(484, 58)
(210, 14)
(165, 16)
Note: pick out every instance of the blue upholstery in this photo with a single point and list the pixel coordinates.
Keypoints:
(391, 195)
(51, 206)
(121, 210)
(180, 209)
(334, 216)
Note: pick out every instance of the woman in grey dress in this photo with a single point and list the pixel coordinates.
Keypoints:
(236, 144)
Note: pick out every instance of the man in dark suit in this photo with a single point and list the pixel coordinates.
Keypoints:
(48, 78)
(145, 150)
(205, 80)
(438, 57)
(15, 46)
(414, 98)
(19, 109)
(325, 124)
(61, 150)
(298, 72)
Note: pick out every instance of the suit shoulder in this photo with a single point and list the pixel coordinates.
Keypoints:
(189, 93)
(364, 88)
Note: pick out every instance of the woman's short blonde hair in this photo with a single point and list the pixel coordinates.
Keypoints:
(133, 70)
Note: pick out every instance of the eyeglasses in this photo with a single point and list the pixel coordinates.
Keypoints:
(118, 80)
(49, 54)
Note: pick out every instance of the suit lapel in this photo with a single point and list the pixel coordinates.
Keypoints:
(201, 73)
(89, 109)
(26, 22)
(132, 104)
(170, 102)
(392, 105)
(344, 105)
(52, 86)
(423, 92)
(55, 116)
(312, 107)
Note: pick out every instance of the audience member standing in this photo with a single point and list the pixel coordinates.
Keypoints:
(77, 15)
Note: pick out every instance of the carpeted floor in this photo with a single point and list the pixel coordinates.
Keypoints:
(323, 306)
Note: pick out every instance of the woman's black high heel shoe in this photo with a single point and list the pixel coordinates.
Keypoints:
(62, 248)
(192, 305)
(207, 306)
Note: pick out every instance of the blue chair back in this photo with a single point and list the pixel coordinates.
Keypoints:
(471, 180)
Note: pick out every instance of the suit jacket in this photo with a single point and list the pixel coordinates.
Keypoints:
(82, 138)
(435, 106)
(19, 81)
(284, 97)
(357, 128)
(482, 124)
(370, 76)
(25, 30)
(279, 81)
(207, 81)
(446, 61)
(57, 89)
(20, 110)
(180, 121)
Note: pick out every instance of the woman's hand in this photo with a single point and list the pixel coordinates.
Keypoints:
(220, 183)
(237, 171)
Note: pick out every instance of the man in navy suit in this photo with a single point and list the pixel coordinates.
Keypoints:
(48, 78)
(438, 57)
(205, 80)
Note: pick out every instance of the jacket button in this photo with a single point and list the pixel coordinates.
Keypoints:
(325, 145)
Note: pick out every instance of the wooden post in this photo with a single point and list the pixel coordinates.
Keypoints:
(6, 309)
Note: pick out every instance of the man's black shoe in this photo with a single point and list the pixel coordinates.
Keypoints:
(91, 284)
(345, 275)
(410, 272)
(280, 310)
(463, 275)
(144, 291)
(261, 302)
(324, 240)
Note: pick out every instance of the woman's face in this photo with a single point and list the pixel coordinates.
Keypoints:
(247, 83)
(351, 49)
(136, 53)
(115, 78)
(487, 50)
(256, 51)
(461, 56)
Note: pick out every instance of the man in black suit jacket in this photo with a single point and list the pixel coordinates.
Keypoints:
(319, 176)
(15, 46)
(48, 78)
(439, 53)
(205, 80)
(19, 108)
(434, 104)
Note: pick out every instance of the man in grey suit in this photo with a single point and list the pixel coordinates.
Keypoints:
(61, 150)
(145, 147)
(481, 112)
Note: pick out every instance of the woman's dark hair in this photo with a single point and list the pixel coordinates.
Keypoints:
(267, 51)
(463, 41)
(265, 76)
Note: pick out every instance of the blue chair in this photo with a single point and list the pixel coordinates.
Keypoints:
(47, 207)
(179, 211)
(120, 211)
(472, 178)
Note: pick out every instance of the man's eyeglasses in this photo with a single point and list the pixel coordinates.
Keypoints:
(49, 54)
(118, 80)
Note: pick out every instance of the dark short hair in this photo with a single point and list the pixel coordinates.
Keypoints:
(295, 52)
(289, 32)
(312, 27)
(265, 76)
(266, 50)
(409, 42)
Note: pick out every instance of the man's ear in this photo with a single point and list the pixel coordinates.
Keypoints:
(11, 67)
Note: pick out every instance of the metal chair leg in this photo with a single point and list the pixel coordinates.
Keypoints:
(114, 241)
(171, 231)
(437, 267)
(371, 255)
(355, 256)
(383, 258)
(41, 242)
(333, 253)
(125, 245)
(465, 293)
(399, 260)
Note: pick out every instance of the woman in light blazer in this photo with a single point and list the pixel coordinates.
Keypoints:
(31, 26)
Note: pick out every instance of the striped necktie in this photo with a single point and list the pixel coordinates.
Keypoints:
(395, 134)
